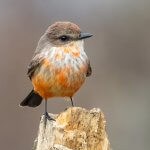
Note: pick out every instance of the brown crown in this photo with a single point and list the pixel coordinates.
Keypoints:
(60, 28)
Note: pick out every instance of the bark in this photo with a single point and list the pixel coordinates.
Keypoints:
(74, 129)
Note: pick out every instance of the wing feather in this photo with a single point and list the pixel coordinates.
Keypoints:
(34, 65)
(89, 70)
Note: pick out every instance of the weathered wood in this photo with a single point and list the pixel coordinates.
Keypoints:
(74, 129)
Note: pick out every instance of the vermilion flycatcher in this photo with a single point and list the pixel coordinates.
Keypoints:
(59, 65)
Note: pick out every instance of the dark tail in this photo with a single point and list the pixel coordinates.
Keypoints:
(32, 100)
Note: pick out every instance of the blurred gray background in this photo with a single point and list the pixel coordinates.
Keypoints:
(119, 52)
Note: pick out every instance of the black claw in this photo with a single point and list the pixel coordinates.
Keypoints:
(66, 109)
(48, 117)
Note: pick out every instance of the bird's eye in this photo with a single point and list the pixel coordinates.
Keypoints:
(64, 38)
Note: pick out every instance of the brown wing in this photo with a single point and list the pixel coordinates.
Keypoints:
(34, 65)
(89, 71)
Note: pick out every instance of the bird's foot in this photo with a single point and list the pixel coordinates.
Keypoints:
(48, 117)
(66, 108)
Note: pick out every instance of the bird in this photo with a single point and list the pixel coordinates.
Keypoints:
(59, 65)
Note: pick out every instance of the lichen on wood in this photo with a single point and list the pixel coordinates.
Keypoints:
(74, 129)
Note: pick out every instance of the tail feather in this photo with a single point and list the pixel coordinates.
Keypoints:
(32, 100)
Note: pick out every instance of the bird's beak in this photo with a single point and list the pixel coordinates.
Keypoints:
(84, 35)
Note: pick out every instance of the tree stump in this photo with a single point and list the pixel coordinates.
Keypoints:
(74, 129)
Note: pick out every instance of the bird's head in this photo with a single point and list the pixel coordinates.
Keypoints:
(61, 34)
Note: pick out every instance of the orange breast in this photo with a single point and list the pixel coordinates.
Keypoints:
(53, 82)
(41, 86)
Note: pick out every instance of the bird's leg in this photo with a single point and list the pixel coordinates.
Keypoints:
(72, 102)
(47, 116)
